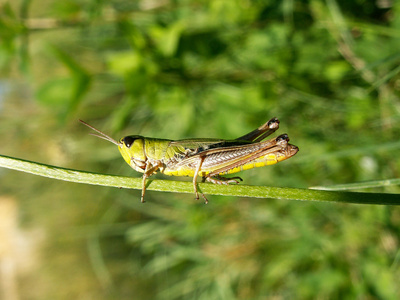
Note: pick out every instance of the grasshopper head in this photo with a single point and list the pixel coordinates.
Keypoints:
(132, 150)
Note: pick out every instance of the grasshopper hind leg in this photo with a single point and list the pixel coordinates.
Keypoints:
(217, 179)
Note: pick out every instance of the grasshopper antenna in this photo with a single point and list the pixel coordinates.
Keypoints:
(100, 134)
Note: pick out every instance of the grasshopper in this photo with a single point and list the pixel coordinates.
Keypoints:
(205, 157)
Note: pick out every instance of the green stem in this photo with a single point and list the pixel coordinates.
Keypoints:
(207, 188)
(358, 185)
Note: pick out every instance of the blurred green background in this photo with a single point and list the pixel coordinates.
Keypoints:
(329, 70)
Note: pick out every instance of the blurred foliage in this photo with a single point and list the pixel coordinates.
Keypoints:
(329, 70)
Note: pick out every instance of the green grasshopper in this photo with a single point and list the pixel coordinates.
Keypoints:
(209, 158)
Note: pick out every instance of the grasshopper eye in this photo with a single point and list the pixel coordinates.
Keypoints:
(128, 141)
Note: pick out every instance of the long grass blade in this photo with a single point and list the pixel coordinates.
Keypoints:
(207, 188)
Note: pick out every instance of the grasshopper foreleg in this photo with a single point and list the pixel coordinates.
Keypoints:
(150, 170)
